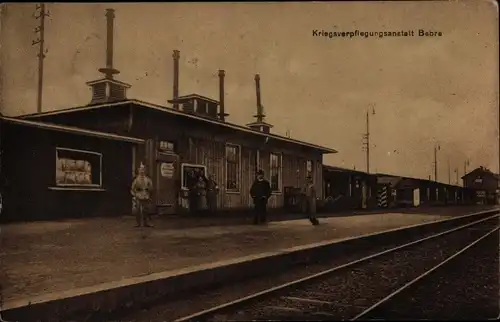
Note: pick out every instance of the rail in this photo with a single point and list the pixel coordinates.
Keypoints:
(246, 301)
(421, 277)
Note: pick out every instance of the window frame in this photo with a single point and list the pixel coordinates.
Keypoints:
(192, 165)
(280, 172)
(78, 185)
(238, 171)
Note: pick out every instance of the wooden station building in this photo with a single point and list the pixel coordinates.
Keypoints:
(193, 134)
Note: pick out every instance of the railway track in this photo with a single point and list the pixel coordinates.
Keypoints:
(356, 289)
(463, 287)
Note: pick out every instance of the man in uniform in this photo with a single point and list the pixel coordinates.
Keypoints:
(260, 193)
(141, 190)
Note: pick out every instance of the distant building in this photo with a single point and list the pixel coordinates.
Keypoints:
(349, 188)
(484, 183)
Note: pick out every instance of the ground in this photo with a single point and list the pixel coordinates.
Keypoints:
(46, 257)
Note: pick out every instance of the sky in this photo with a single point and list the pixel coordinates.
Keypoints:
(424, 90)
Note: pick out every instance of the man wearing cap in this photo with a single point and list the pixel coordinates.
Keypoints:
(260, 192)
(141, 190)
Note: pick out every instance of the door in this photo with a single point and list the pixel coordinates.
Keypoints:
(416, 197)
(167, 173)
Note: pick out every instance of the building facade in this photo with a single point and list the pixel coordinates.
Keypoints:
(177, 141)
(53, 171)
(483, 184)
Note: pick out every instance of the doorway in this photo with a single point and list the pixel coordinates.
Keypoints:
(167, 173)
(416, 197)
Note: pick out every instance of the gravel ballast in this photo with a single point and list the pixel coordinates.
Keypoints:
(348, 292)
(466, 288)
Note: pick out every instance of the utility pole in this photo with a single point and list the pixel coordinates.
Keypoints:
(366, 136)
(40, 13)
(436, 148)
(466, 164)
(456, 171)
(449, 174)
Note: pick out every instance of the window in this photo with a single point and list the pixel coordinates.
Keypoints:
(201, 107)
(78, 168)
(308, 167)
(190, 172)
(275, 172)
(212, 110)
(232, 167)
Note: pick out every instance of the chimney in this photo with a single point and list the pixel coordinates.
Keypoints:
(109, 71)
(260, 116)
(222, 114)
(259, 124)
(176, 57)
(108, 89)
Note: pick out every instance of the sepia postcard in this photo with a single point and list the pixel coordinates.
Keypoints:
(243, 161)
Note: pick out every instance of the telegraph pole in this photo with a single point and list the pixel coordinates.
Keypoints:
(40, 14)
(466, 164)
(436, 148)
(366, 136)
(449, 174)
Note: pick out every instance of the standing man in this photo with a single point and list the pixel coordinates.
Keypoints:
(310, 200)
(201, 194)
(141, 190)
(260, 192)
(192, 198)
(212, 191)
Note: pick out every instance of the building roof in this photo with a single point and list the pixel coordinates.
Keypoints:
(185, 98)
(257, 123)
(409, 182)
(172, 111)
(107, 80)
(394, 179)
(70, 129)
(332, 168)
(482, 170)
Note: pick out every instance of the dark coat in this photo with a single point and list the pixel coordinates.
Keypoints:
(212, 186)
(260, 189)
(191, 182)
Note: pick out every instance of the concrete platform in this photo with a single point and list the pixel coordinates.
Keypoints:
(47, 261)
